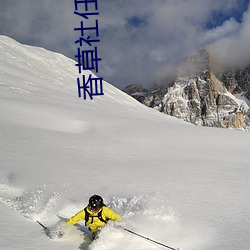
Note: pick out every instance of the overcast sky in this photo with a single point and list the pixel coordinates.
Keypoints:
(140, 40)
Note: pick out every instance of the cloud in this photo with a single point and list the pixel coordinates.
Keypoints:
(39, 22)
(233, 49)
(228, 28)
(140, 40)
(170, 31)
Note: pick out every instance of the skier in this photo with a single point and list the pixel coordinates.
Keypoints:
(95, 214)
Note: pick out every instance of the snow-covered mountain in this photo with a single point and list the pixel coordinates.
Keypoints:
(201, 96)
(182, 185)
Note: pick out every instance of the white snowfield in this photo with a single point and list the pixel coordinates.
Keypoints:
(185, 186)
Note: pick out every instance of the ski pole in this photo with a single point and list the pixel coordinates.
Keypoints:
(45, 228)
(146, 238)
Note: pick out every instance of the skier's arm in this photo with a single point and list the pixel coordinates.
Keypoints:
(110, 214)
(77, 217)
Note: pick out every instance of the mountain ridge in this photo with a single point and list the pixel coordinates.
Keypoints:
(202, 96)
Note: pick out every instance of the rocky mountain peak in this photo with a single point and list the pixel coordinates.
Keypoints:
(196, 64)
(202, 97)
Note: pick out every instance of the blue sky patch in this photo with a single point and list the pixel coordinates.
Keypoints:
(136, 21)
(219, 17)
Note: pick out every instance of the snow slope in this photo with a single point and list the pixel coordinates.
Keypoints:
(176, 183)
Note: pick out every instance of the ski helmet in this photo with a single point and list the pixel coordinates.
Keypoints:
(95, 202)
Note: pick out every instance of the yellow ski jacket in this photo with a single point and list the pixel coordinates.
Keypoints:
(94, 223)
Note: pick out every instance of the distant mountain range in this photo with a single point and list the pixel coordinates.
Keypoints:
(201, 94)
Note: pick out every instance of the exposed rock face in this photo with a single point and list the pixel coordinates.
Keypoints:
(237, 81)
(137, 91)
(199, 97)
